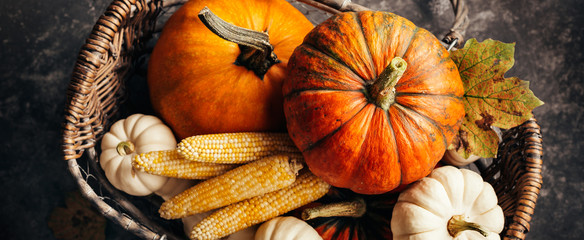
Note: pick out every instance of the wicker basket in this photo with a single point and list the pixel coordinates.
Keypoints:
(113, 61)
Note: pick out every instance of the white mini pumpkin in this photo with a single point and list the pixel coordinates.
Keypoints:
(286, 228)
(137, 134)
(450, 203)
(454, 158)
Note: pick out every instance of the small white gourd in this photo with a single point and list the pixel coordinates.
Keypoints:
(286, 228)
(454, 158)
(450, 203)
(137, 134)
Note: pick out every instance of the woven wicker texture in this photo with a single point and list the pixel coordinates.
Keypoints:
(516, 176)
(98, 89)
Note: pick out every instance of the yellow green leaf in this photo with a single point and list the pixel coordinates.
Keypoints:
(490, 99)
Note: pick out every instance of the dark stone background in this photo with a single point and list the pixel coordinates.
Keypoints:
(41, 40)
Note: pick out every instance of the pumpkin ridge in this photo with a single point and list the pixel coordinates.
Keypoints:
(363, 159)
(333, 132)
(402, 115)
(337, 60)
(144, 131)
(130, 123)
(115, 136)
(414, 34)
(297, 92)
(112, 160)
(344, 225)
(401, 170)
(351, 232)
(420, 232)
(426, 207)
(360, 24)
(430, 120)
(331, 224)
(494, 207)
(440, 126)
(314, 52)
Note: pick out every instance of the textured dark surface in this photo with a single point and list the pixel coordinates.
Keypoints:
(41, 40)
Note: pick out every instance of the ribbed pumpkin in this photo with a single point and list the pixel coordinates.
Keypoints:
(372, 101)
(345, 215)
(201, 83)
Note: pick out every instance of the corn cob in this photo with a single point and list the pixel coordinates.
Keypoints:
(307, 188)
(239, 147)
(171, 164)
(253, 179)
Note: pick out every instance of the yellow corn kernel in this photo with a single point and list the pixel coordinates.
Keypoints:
(171, 164)
(253, 179)
(239, 147)
(307, 188)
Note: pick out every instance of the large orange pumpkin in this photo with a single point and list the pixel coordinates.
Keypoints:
(361, 122)
(200, 83)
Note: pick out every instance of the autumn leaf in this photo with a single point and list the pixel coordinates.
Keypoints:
(490, 99)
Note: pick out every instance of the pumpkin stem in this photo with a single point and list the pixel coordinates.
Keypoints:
(124, 148)
(257, 54)
(354, 208)
(383, 89)
(456, 225)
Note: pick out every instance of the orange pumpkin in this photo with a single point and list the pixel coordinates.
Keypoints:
(201, 83)
(372, 101)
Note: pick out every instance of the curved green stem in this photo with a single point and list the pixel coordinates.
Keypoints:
(382, 91)
(456, 225)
